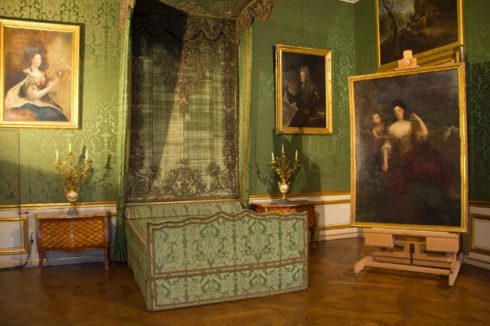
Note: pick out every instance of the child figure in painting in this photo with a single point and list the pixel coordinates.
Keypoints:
(379, 128)
(379, 132)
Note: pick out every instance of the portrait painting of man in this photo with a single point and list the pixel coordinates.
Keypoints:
(303, 90)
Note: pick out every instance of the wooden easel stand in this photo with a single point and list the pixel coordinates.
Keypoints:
(415, 251)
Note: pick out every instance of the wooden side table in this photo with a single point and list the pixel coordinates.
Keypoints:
(63, 233)
(288, 207)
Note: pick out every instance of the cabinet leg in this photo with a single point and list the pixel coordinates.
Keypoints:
(106, 258)
(41, 258)
(312, 237)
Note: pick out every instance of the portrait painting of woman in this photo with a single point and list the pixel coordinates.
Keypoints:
(39, 75)
(409, 155)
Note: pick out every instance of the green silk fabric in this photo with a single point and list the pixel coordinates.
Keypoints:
(119, 252)
(192, 260)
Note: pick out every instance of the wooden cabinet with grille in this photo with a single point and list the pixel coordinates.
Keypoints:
(63, 233)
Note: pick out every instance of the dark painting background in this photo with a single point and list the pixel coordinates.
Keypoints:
(291, 63)
(418, 25)
(434, 97)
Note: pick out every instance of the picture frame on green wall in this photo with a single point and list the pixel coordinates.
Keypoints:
(39, 74)
(303, 90)
(433, 30)
(409, 149)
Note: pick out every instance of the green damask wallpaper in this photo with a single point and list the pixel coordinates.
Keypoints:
(365, 37)
(477, 58)
(326, 24)
(39, 183)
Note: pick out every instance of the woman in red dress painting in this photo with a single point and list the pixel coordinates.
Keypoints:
(408, 157)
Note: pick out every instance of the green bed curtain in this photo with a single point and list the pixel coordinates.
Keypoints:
(119, 251)
(184, 122)
(245, 95)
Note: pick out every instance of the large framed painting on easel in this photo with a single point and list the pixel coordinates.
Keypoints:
(408, 141)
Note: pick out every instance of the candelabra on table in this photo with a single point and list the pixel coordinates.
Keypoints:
(280, 165)
(72, 173)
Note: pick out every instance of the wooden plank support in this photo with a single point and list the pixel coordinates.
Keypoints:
(414, 251)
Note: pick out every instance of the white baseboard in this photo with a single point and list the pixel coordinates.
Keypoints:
(478, 260)
(323, 235)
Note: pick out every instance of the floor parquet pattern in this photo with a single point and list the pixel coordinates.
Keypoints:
(88, 295)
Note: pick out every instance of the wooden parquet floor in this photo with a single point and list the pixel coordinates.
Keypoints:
(87, 295)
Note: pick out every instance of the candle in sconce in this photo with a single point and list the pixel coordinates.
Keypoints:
(69, 148)
(282, 146)
(57, 155)
(296, 155)
(273, 156)
(86, 155)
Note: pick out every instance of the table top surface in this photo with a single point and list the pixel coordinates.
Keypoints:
(65, 215)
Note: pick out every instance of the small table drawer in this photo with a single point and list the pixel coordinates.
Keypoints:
(63, 233)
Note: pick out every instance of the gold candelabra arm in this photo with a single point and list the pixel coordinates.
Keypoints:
(281, 166)
(72, 173)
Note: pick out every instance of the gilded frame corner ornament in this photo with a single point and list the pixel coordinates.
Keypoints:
(39, 74)
(446, 52)
(360, 149)
(294, 95)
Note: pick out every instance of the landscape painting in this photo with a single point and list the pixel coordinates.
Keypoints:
(422, 26)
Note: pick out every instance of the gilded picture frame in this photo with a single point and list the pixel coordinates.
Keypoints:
(433, 30)
(303, 90)
(39, 74)
(411, 172)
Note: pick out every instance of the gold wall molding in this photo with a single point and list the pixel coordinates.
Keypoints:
(31, 207)
(330, 202)
(24, 223)
(479, 203)
(303, 194)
